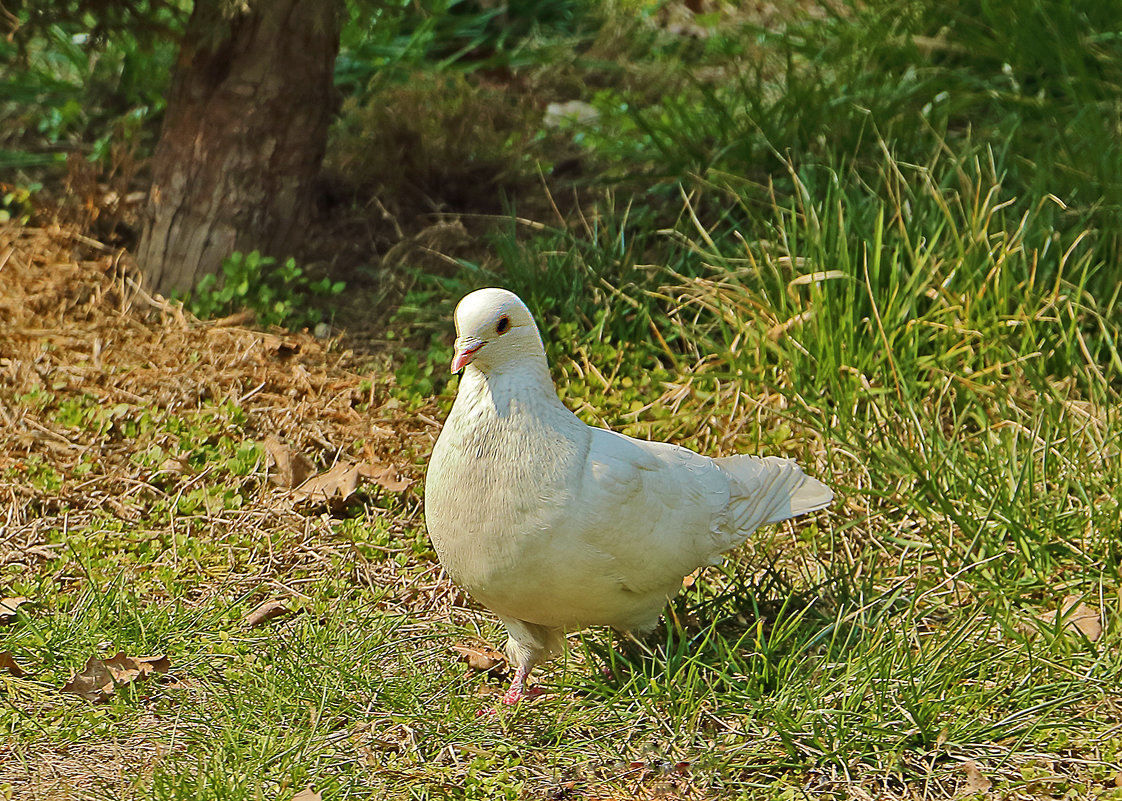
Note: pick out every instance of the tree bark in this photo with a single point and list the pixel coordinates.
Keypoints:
(243, 137)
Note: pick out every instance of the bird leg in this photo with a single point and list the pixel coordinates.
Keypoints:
(529, 644)
(516, 692)
(518, 689)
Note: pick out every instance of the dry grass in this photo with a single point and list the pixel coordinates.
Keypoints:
(84, 328)
(76, 328)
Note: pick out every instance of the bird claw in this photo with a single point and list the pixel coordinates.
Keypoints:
(516, 694)
(512, 697)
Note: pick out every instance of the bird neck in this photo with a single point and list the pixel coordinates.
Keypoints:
(527, 382)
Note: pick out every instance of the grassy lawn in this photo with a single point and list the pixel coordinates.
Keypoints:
(908, 631)
(914, 294)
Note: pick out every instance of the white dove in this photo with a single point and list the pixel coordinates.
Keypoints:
(555, 525)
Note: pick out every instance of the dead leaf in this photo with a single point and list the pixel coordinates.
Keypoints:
(100, 677)
(133, 668)
(8, 607)
(1077, 617)
(481, 658)
(290, 467)
(265, 612)
(8, 663)
(280, 348)
(384, 476)
(975, 781)
(307, 795)
(175, 465)
(94, 682)
(338, 482)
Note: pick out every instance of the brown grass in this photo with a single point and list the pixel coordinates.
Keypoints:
(82, 326)
(76, 324)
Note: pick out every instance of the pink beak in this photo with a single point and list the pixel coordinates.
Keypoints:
(466, 349)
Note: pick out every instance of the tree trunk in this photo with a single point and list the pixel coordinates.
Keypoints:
(243, 138)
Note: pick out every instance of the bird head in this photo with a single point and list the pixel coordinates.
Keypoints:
(493, 329)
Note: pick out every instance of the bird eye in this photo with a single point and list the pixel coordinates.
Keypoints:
(503, 325)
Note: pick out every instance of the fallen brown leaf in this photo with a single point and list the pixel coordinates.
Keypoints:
(8, 663)
(975, 781)
(100, 677)
(307, 795)
(94, 682)
(290, 467)
(384, 476)
(265, 612)
(1077, 617)
(338, 482)
(280, 348)
(132, 668)
(8, 607)
(481, 658)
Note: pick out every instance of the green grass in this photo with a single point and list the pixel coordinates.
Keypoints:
(924, 312)
(953, 383)
(931, 348)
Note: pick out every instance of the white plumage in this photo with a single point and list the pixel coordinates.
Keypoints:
(555, 525)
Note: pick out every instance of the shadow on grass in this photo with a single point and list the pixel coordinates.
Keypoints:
(746, 637)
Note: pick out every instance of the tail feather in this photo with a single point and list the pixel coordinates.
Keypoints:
(769, 489)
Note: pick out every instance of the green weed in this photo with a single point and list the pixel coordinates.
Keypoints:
(277, 294)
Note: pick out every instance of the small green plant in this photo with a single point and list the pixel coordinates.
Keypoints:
(276, 294)
(37, 399)
(15, 203)
(37, 472)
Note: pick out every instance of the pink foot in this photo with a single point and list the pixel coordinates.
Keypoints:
(517, 689)
(511, 698)
(515, 693)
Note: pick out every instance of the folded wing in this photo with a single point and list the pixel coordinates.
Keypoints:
(659, 511)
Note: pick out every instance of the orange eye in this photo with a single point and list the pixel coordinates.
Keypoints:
(503, 325)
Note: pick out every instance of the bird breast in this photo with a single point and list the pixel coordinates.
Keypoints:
(500, 476)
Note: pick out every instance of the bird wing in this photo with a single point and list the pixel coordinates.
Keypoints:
(660, 510)
(655, 509)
